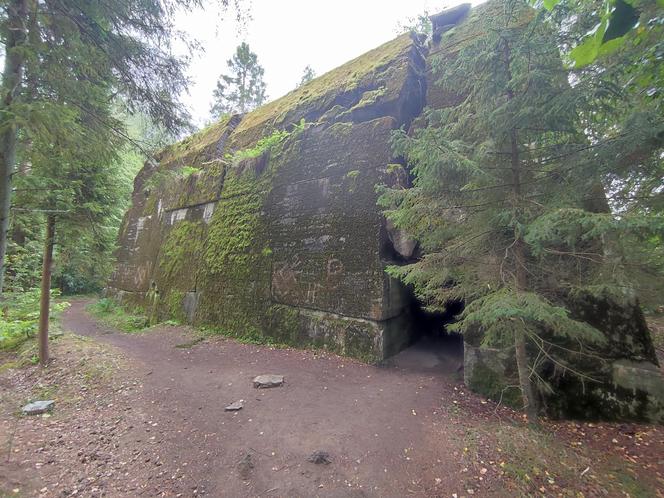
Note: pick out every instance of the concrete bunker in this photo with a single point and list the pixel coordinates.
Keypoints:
(266, 224)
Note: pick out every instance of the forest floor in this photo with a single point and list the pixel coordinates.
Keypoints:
(143, 415)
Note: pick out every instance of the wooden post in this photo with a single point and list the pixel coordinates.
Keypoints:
(45, 298)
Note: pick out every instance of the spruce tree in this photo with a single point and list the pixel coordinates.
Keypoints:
(243, 89)
(89, 51)
(507, 200)
(307, 75)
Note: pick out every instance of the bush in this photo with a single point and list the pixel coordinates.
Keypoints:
(20, 316)
(110, 312)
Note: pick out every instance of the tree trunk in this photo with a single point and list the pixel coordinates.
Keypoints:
(11, 82)
(522, 363)
(523, 367)
(45, 298)
(520, 271)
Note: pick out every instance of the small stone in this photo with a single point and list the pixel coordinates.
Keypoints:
(319, 457)
(235, 406)
(268, 380)
(38, 407)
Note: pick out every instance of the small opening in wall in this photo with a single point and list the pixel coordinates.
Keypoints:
(434, 347)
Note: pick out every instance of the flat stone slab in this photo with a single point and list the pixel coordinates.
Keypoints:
(38, 407)
(268, 380)
(235, 406)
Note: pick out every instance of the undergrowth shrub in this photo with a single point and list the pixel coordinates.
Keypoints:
(110, 312)
(20, 316)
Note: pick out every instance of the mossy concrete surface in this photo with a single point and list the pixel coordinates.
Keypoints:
(267, 225)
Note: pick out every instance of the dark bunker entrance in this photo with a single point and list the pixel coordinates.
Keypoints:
(433, 347)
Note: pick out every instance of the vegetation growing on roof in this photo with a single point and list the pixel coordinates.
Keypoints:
(263, 145)
(342, 79)
(194, 144)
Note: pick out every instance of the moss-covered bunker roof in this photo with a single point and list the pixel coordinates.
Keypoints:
(342, 79)
(315, 97)
(193, 146)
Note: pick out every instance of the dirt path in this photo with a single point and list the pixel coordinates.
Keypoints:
(143, 415)
(384, 428)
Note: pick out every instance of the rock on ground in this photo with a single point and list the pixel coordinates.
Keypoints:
(235, 406)
(38, 407)
(268, 380)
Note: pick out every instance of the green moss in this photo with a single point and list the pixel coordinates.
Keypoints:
(341, 130)
(370, 97)
(194, 144)
(343, 79)
(283, 323)
(122, 318)
(395, 168)
(265, 144)
(234, 224)
(150, 206)
(288, 325)
(187, 171)
(180, 249)
(351, 180)
(173, 304)
(159, 179)
(236, 254)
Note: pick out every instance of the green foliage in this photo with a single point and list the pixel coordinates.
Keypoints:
(244, 335)
(187, 171)
(265, 144)
(617, 23)
(181, 245)
(87, 77)
(88, 186)
(358, 73)
(420, 24)
(110, 312)
(499, 313)
(243, 89)
(20, 316)
(307, 75)
(23, 263)
(507, 190)
(624, 121)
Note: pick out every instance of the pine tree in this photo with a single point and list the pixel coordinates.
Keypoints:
(87, 51)
(507, 201)
(307, 75)
(243, 89)
(627, 119)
